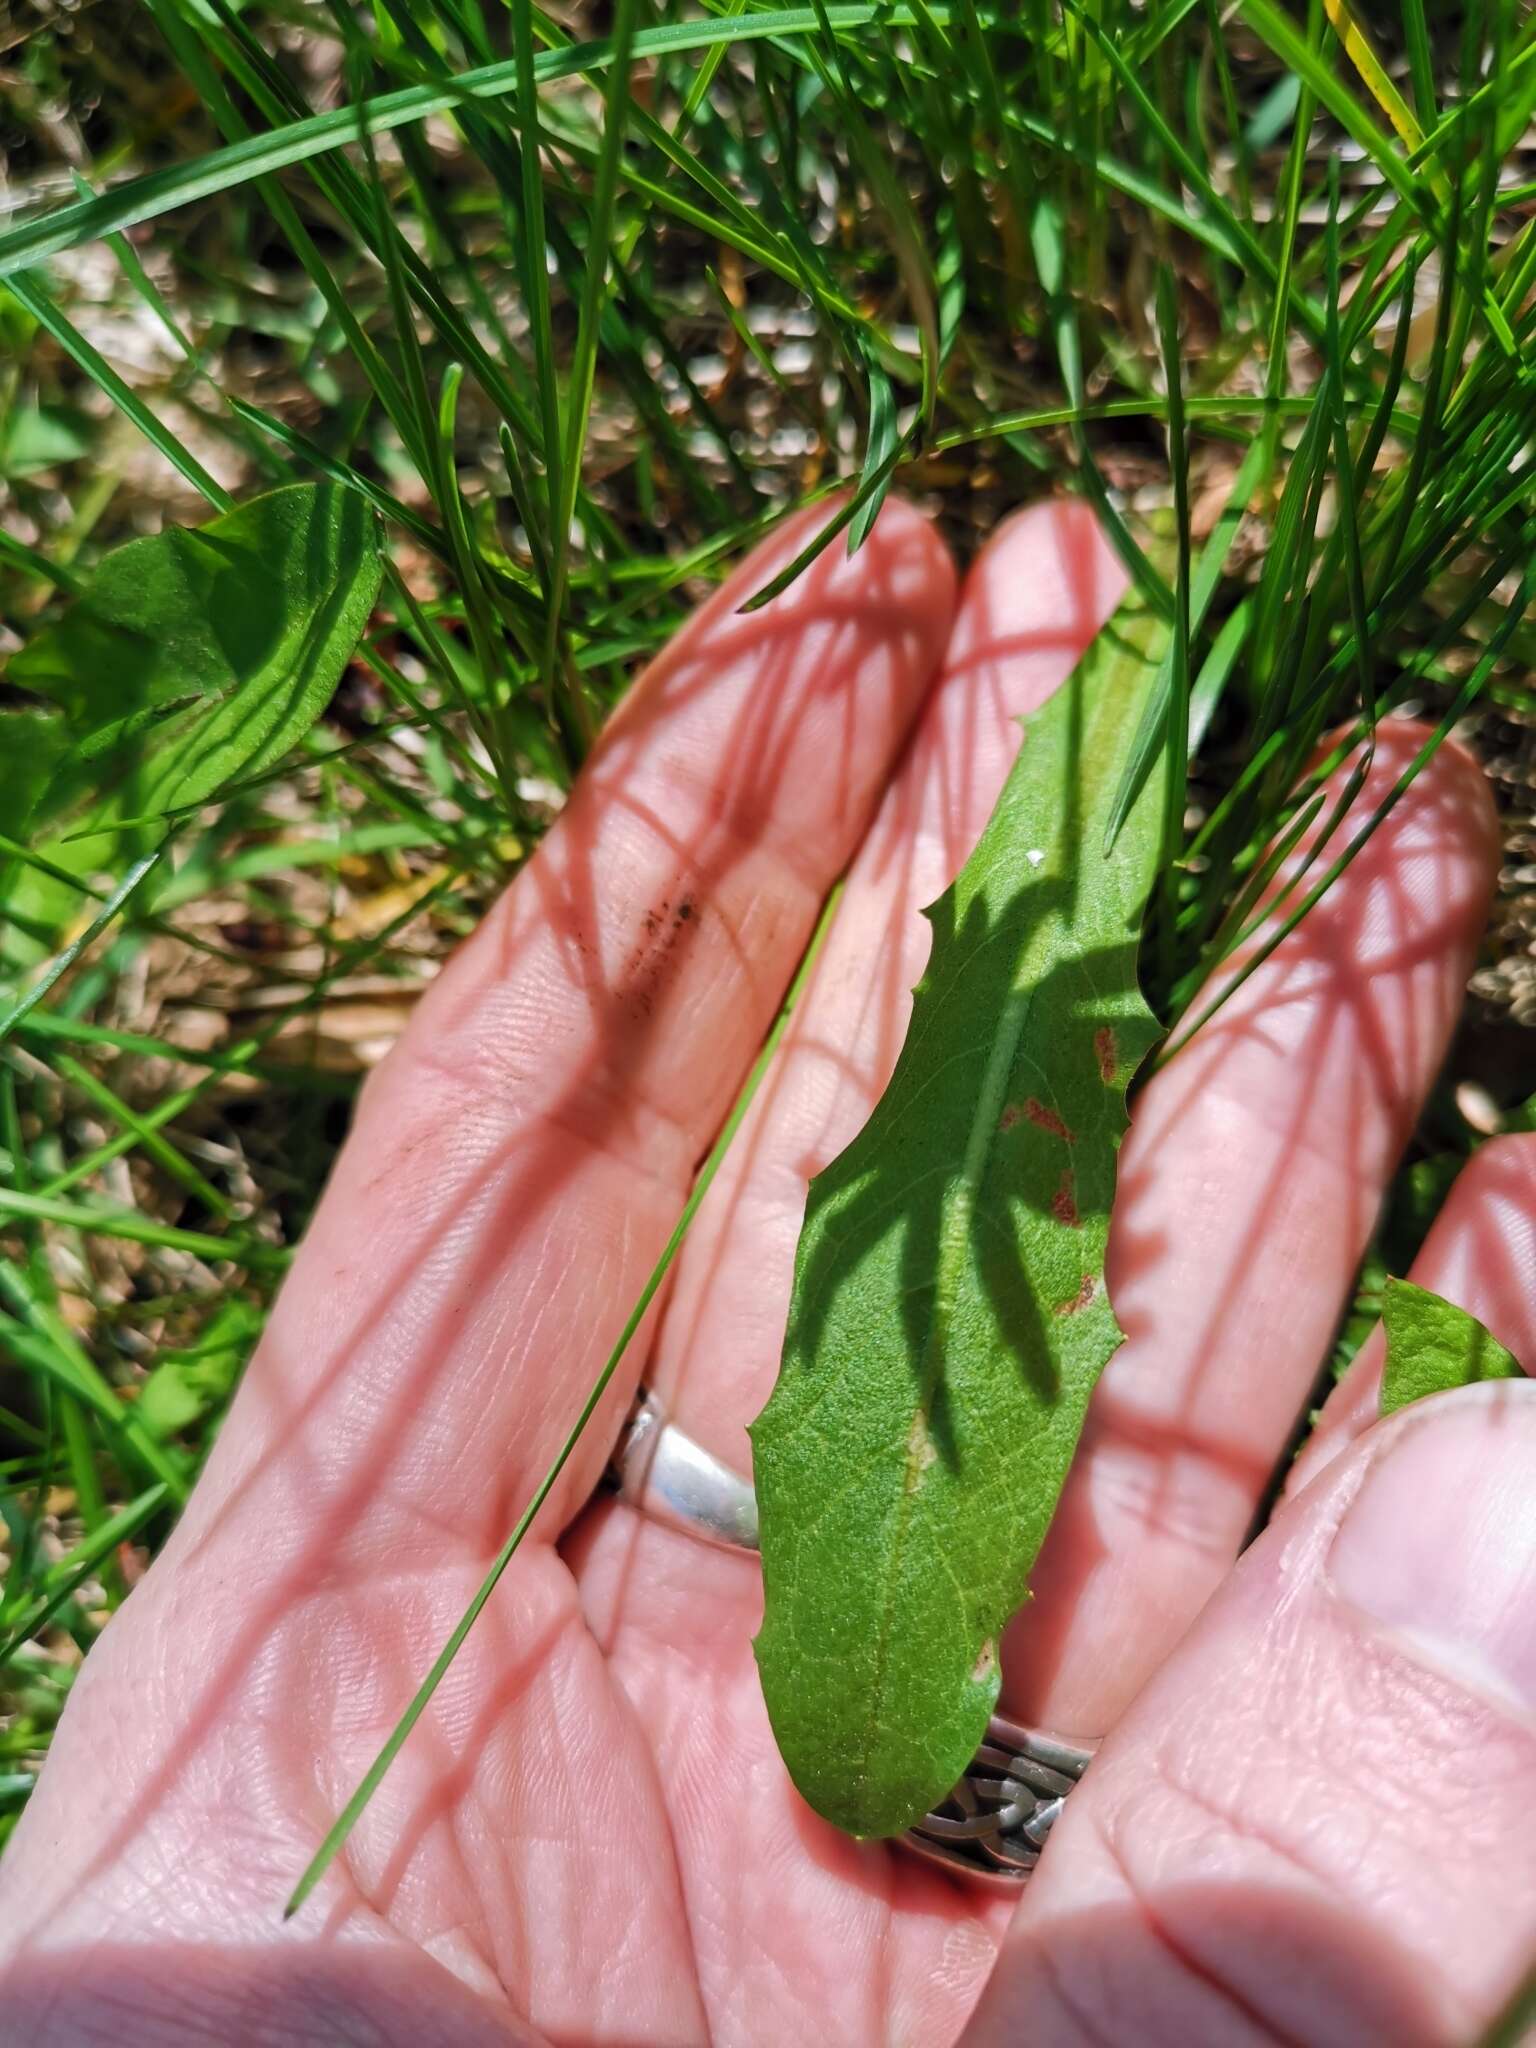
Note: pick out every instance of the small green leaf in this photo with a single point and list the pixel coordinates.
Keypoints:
(949, 1317)
(189, 660)
(1433, 1346)
(187, 1385)
(35, 437)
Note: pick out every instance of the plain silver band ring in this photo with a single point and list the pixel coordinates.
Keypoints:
(661, 1471)
(995, 1822)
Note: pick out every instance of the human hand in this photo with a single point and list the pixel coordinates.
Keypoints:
(1306, 1824)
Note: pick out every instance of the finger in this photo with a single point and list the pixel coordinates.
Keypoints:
(1034, 599)
(519, 1160)
(1480, 1254)
(1313, 1826)
(1246, 1193)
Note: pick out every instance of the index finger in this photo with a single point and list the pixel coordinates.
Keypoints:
(519, 1160)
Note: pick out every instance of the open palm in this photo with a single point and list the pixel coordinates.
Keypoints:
(590, 1837)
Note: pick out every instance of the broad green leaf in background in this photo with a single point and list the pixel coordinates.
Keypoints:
(949, 1317)
(189, 659)
(1433, 1346)
(204, 653)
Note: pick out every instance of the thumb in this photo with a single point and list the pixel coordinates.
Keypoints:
(1314, 1824)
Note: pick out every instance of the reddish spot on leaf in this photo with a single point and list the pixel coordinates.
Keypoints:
(1047, 1120)
(1108, 1052)
(1064, 1202)
(1081, 1299)
(1011, 1115)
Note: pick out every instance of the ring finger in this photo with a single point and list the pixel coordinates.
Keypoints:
(1247, 1189)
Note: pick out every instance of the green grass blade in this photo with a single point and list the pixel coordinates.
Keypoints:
(111, 908)
(71, 1572)
(113, 1220)
(158, 192)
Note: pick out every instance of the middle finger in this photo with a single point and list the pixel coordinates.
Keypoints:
(1032, 603)
(793, 1932)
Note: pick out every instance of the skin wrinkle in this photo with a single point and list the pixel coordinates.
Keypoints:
(662, 1130)
(457, 1783)
(1218, 1093)
(1185, 1963)
(1123, 1428)
(1073, 2006)
(492, 1338)
(1241, 1818)
(367, 1485)
(1227, 1816)
(548, 1809)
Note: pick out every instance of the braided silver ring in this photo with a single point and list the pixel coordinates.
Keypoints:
(994, 1824)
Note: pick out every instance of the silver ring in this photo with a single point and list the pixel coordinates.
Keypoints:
(996, 1821)
(671, 1479)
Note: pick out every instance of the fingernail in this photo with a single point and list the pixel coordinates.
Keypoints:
(1438, 1548)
